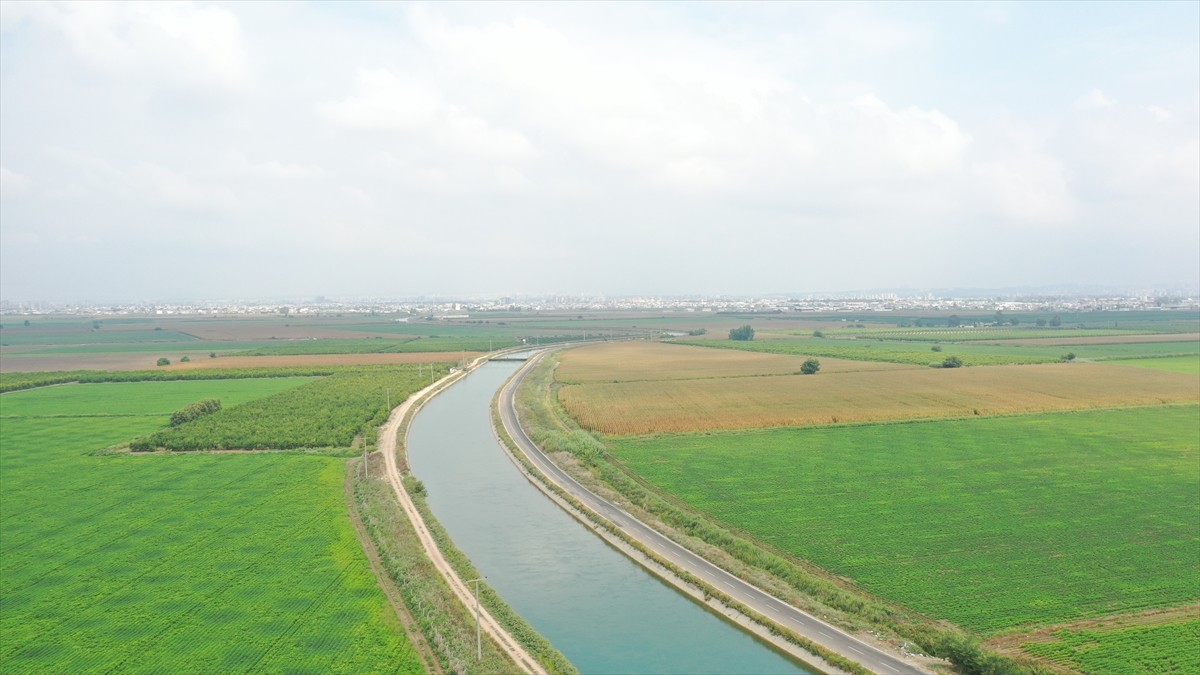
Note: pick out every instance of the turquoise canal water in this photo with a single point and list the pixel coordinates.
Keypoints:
(604, 612)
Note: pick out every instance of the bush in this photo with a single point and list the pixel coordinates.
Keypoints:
(818, 334)
(952, 362)
(743, 333)
(195, 410)
(164, 361)
(185, 359)
(1069, 356)
(935, 348)
(810, 367)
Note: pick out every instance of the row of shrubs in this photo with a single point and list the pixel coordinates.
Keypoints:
(195, 410)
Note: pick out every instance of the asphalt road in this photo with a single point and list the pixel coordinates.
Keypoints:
(764, 603)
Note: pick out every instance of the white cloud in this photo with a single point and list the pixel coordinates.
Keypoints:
(1096, 99)
(12, 182)
(180, 44)
(614, 131)
(384, 101)
(1027, 187)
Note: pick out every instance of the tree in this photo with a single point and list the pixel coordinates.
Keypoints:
(818, 334)
(1041, 322)
(935, 348)
(1056, 321)
(744, 333)
(26, 322)
(952, 362)
(212, 355)
(953, 321)
(810, 367)
(1069, 356)
(185, 359)
(164, 361)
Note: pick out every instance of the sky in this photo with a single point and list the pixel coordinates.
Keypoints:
(199, 150)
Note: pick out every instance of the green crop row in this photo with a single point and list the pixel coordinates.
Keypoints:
(1153, 650)
(18, 381)
(135, 398)
(338, 411)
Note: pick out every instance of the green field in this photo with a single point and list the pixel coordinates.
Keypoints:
(921, 354)
(1175, 364)
(177, 563)
(1149, 650)
(959, 334)
(992, 523)
(136, 398)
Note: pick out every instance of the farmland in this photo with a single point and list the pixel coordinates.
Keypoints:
(136, 398)
(927, 490)
(1153, 650)
(941, 516)
(972, 354)
(637, 361)
(1176, 364)
(640, 407)
(337, 411)
(176, 563)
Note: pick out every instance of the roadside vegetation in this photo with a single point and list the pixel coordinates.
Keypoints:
(447, 625)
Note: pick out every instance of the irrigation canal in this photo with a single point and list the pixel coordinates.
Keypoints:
(602, 610)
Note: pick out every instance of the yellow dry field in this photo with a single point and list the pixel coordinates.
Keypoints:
(1098, 340)
(636, 361)
(827, 398)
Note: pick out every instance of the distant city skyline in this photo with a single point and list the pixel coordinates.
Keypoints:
(286, 150)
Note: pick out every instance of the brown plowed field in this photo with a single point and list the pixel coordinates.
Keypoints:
(634, 361)
(825, 398)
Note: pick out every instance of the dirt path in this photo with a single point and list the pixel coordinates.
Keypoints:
(428, 659)
(387, 447)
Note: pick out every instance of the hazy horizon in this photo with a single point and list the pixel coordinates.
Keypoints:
(221, 150)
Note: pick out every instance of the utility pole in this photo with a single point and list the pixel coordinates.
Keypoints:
(478, 634)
